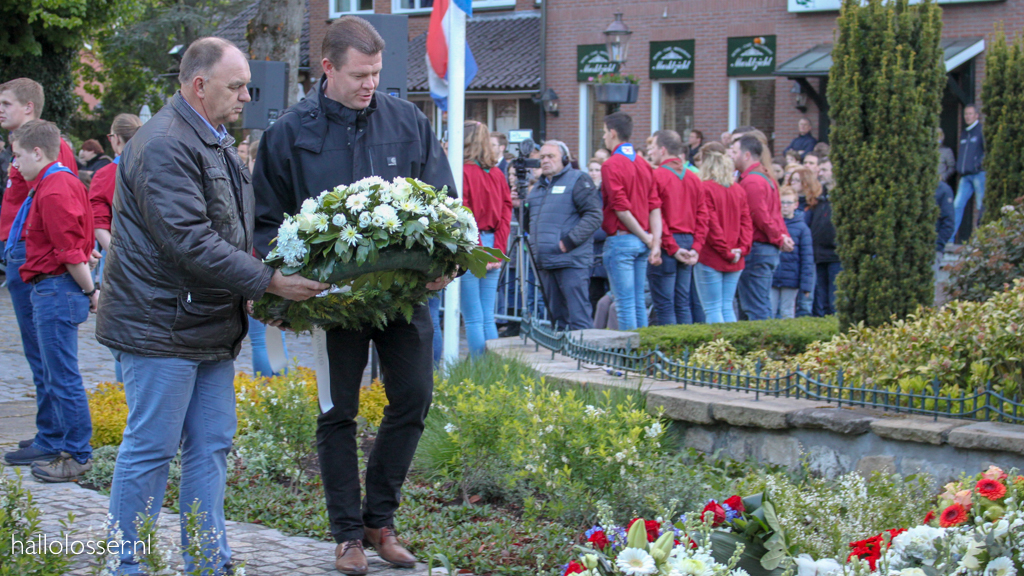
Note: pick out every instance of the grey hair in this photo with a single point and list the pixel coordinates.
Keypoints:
(561, 146)
(201, 56)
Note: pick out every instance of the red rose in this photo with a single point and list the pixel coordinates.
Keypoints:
(955, 515)
(991, 489)
(718, 511)
(598, 539)
(736, 503)
(574, 567)
(929, 517)
(651, 526)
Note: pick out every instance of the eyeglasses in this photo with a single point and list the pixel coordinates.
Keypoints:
(111, 136)
(789, 202)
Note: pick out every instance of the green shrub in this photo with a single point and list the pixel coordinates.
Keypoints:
(778, 338)
(993, 258)
(20, 531)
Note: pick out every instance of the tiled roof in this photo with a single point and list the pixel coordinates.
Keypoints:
(506, 48)
(234, 30)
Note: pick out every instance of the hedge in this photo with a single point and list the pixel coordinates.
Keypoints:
(778, 338)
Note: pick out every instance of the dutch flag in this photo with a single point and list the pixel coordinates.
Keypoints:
(437, 50)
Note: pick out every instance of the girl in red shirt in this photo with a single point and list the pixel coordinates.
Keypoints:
(101, 190)
(727, 234)
(485, 192)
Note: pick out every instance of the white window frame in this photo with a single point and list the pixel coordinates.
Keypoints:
(334, 14)
(396, 6)
(584, 120)
(734, 98)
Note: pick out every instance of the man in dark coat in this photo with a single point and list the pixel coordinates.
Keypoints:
(803, 143)
(345, 131)
(178, 274)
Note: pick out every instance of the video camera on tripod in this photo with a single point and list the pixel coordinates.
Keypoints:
(523, 162)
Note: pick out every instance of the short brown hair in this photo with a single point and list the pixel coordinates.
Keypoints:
(669, 140)
(500, 136)
(26, 90)
(38, 134)
(622, 123)
(350, 32)
(93, 146)
(201, 56)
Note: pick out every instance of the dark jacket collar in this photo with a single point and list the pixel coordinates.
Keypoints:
(317, 111)
(545, 181)
(196, 122)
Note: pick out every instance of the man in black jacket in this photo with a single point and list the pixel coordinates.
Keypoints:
(970, 166)
(565, 210)
(178, 275)
(343, 132)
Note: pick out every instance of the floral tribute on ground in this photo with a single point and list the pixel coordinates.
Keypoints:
(379, 243)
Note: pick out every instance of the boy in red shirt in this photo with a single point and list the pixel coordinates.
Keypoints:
(58, 228)
(22, 100)
(632, 220)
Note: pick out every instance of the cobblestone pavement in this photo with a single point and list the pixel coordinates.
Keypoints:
(265, 551)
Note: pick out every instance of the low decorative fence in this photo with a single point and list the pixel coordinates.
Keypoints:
(985, 404)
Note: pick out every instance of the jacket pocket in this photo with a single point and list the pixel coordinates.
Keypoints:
(393, 159)
(209, 318)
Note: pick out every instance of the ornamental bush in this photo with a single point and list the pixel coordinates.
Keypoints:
(1002, 92)
(992, 259)
(884, 93)
(777, 338)
(109, 411)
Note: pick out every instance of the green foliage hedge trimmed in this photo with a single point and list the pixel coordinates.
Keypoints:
(778, 338)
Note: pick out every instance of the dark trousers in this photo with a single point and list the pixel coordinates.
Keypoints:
(670, 287)
(598, 288)
(825, 288)
(567, 294)
(405, 350)
(755, 285)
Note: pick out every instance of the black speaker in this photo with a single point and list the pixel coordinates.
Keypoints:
(269, 92)
(394, 28)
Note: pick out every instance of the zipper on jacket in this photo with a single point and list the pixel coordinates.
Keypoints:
(189, 298)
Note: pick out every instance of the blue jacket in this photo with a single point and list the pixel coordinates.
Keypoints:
(796, 268)
(567, 209)
(972, 151)
(944, 227)
(802, 144)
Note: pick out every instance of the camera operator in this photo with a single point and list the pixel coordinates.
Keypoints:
(564, 210)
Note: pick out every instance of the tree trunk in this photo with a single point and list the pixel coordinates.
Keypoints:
(274, 34)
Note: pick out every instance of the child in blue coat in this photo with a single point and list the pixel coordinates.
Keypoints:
(796, 269)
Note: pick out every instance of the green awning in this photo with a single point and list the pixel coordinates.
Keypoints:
(818, 60)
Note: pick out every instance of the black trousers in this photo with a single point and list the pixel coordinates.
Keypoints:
(406, 355)
(567, 295)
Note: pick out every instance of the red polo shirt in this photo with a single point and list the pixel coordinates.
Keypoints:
(765, 207)
(101, 195)
(627, 186)
(17, 190)
(681, 203)
(727, 226)
(59, 228)
(487, 194)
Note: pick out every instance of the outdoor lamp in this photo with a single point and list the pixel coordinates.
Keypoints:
(617, 39)
(549, 100)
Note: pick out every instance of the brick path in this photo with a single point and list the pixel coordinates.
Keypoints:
(265, 551)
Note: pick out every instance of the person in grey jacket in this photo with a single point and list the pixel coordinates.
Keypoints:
(947, 162)
(565, 210)
(971, 169)
(179, 275)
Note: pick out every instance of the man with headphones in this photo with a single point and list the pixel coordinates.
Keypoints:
(564, 212)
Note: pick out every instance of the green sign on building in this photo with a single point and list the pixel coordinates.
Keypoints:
(751, 56)
(591, 60)
(672, 59)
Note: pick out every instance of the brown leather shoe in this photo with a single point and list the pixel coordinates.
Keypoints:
(350, 559)
(385, 542)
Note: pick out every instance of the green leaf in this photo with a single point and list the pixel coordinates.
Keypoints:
(289, 270)
(776, 552)
(451, 246)
(770, 517)
(361, 253)
(324, 237)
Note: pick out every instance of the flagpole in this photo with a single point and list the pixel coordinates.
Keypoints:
(456, 136)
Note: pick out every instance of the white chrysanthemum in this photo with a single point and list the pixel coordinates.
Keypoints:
(472, 233)
(423, 220)
(1001, 566)
(351, 235)
(320, 222)
(464, 216)
(636, 562)
(912, 571)
(694, 565)
(309, 206)
(432, 212)
(1007, 209)
(653, 430)
(339, 220)
(288, 245)
(391, 223)
(356, 202)
(739, 572)
(370, 181)
(384, 211)
(807, 566)
(365, 219)
(411, 205)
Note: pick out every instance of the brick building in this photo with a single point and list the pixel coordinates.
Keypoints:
(717, 64)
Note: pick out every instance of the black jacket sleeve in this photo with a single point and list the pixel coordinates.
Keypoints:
(435, 169)
(173, 207)
(587, 200)
(944, 227)
(271, 182)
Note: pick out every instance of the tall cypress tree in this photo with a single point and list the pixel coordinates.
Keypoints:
(1002, 95)
(884, 92)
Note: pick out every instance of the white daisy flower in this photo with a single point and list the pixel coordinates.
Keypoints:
(1001, 566)
(351, 235)
(410, 205)
(356, 202)
(320, 222)
(636, 562)
(392, 223)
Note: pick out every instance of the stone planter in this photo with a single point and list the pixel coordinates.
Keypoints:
(617, 93)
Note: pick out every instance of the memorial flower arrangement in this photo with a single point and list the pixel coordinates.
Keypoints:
(378, 243)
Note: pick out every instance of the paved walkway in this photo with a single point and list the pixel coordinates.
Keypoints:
(265, 551)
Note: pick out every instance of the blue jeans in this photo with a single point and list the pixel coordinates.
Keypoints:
(756, 282)
(58, 307)
(174, 401)
(805, 304)
(784, 302)
(670, 286)
(970, 184)
(435, 317)
(625, 258)
(48, 437)
(825, 288)
(258, 338)
(477, 296)
(716, 290)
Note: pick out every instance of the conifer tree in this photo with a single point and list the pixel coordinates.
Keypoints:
(1002, 96)
(884, 92)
